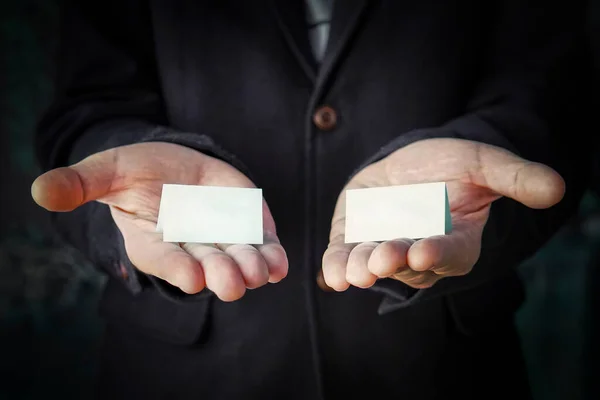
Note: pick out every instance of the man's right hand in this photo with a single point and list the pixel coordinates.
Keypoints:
(129, 180)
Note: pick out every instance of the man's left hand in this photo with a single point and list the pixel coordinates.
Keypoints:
(476, 174)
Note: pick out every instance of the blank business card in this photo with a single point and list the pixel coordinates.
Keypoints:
(210, 214)
(394, 212)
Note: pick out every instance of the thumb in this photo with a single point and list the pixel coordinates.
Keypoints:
(66, 188)
(532, 184)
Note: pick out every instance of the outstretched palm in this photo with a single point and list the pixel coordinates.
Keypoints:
(476, 174)
(129, 180)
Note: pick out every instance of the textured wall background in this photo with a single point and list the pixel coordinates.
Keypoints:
(49, 331)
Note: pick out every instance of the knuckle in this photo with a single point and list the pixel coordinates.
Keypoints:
(250, 258)
(220, 260)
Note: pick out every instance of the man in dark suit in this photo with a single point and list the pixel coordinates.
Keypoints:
(264, 93)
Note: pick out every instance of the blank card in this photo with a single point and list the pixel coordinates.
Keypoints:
(395, 212)
(210, 214)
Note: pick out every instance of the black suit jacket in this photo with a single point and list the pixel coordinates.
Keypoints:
(236, 80)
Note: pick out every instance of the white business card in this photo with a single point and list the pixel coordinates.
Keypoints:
(210, 214)
(395, 212)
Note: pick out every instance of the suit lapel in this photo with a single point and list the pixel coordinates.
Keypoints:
(346, 18)
(291, 18)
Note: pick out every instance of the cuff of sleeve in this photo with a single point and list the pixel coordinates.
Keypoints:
(472, 128)
(130, 131)
(201, 143)
(398, 295)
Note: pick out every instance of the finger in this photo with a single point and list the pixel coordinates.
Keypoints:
(251, 263)
(417, 280)
(453, 254)
(533, 184)
(389, 257)
(272, 251)
(64, 189)
(151, 255)
(335, 260)
(221, 272)
(276, 259)
(357, 272)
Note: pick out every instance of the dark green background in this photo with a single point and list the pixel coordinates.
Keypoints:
(49, 331)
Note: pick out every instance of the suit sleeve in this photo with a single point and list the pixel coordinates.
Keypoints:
(531, 100)
(108, 95)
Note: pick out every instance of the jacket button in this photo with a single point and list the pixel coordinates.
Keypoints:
(325, 118)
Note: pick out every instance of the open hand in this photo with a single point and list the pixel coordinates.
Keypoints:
(476, 175)
(129, 180)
